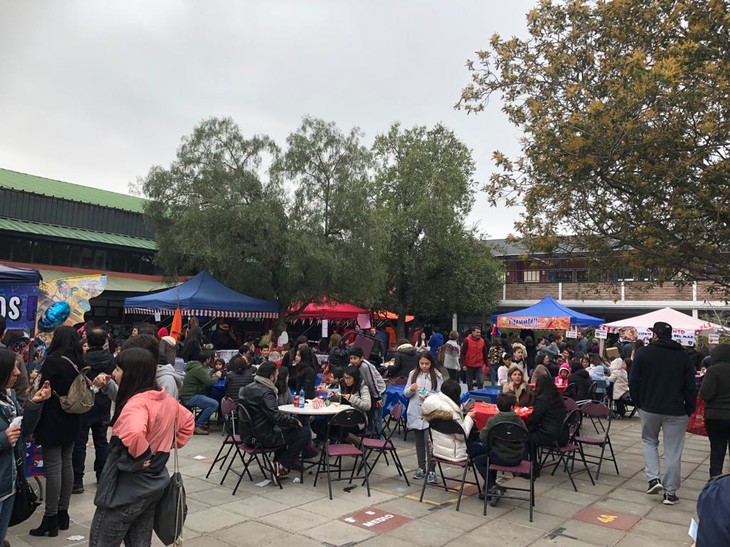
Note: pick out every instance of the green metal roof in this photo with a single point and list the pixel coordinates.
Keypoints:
(26, 227)
(66, 190)
(113, 283)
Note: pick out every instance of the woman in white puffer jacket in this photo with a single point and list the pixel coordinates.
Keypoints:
(445, 406)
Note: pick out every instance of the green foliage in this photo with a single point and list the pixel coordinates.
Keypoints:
(626, 120)
(424, 189)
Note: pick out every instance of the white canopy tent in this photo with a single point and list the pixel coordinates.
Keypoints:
(684, 327)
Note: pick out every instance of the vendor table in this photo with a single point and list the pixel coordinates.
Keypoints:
(485, 411)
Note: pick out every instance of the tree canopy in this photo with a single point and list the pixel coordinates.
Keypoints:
(626, 121)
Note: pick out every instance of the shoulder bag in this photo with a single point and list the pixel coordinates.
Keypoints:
(26, 500)
(80, 397)
(172, 508)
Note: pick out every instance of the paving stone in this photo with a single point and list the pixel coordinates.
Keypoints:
(212, 519)
(496, 533)
(253, 533)
(337, 533)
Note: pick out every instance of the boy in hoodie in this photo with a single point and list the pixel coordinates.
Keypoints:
(501, 452)
(168, 377)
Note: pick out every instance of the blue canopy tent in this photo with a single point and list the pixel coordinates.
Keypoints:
(538, 316)
(203, 295)
(19, 276)
(19, 296)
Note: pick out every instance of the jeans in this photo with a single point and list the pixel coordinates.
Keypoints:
(101, 447)
(6, 509)
(474, 375)
(453, 374)
(493, 375)
(131, 524)
(674, 430)
(718, 432)
(208, 405)
(59, 477)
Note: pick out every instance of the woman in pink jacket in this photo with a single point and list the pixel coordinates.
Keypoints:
(135, 474)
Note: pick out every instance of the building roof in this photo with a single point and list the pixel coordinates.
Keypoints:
(14, 180)
(79, 234)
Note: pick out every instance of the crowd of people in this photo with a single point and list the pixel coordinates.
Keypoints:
(150, 384)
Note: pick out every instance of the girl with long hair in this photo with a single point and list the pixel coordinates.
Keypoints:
(546, 421)
(306, 366)
(146, 423)
(57, 431)
(422, 382)
(12, 445)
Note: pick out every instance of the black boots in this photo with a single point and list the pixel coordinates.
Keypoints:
(63, 520)
(49, 527)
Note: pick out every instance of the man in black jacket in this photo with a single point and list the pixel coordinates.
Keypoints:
(96, 419)
(271, 427)
(662, 386)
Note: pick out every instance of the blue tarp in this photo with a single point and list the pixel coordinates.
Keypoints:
(548, 307)
(202, 295)
(18, 276)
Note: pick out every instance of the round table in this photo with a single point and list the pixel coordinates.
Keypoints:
(309, 410)
(483, 412)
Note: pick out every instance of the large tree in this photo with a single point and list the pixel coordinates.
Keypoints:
(424, 190)
(626, 121)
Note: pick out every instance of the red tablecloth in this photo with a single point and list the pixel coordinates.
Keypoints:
(484, 411)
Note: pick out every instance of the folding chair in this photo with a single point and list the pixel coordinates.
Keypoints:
(385, 446)
(349, 418)
(570, 391)
(512, 433)
(566, 453)
(250, 450)
(602, 416)
(396, 420)
(570, 404)
(231, 439)
(450, 427)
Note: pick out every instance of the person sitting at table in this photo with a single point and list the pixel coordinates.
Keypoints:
(581, 378)
(196, 384)
(546, 421)
(561, 380)
(285, 396)
(305, 368)
(405, 360)
(540, 370)
(518, 386)
(422, 381)
(503, 370)
(445, 405)
(270, 426)
(353, 392)
(500, 452)
(240, 374)
(219, 365)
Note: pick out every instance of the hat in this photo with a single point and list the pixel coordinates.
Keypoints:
(662, 329)
(564, 366)
(720, 354)
(162, 332)
(169, 340)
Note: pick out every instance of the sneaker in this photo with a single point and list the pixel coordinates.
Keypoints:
(77, 489)
(655, 486)
(670, 499)
(432, 478)
(199, 431)
(495, 494)
(419, 474)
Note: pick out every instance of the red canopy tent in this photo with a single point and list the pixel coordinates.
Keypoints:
(331, 309)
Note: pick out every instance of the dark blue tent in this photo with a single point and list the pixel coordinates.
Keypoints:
(202, 295)
(18, 276)
(547, 307)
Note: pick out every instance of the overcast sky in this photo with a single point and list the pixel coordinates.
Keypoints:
(96, 92)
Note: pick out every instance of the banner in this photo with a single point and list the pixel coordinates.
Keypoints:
(65, 301)
(536, 323)
(18, 305)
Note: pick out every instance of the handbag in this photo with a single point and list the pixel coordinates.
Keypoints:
(172, 508)
(26, 500)
(696, 423)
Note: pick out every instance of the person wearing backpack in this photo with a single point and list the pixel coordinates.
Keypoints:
(57, 430)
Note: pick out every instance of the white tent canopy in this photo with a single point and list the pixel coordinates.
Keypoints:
(684, 327)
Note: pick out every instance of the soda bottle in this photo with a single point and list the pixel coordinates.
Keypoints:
(326, 399)
(302, 398)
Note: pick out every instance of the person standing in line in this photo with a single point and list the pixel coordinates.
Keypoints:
(715, 391)
(474, 355)
(662, 386)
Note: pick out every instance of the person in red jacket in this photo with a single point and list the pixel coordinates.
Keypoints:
(474, 356)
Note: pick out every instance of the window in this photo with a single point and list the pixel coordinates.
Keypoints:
(74, 256)
(87, 257)
(99, 259)
(22, 250)
(133, 263)
(116, 261)
(42, 252)
(564, 276)
(531, 276)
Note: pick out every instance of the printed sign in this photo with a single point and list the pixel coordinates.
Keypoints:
(18, 305)
(601, 334)
(375, 520)
(571, 332)
(538, 323)
(714, 338)
(325, 328)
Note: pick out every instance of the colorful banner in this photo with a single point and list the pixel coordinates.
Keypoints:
(65, 301)
(18, 304)
(536, 323)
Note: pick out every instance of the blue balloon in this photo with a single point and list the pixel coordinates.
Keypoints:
(54, 316)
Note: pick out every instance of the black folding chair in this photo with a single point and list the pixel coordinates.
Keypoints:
(230, 430)
(566, 454)
(511, 433)
(450, 427)
(250, 450)
(600, 415)
(350, 418)
(385, 446)
(570, 391)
